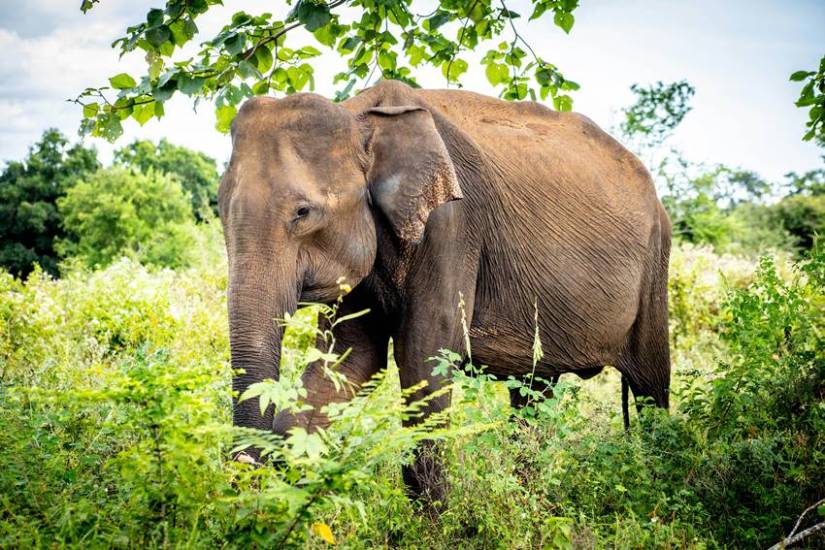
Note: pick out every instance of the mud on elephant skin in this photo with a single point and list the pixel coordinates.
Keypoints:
(422, 197)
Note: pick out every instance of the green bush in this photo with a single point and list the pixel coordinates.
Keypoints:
(115, 212)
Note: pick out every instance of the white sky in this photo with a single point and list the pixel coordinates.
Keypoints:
(737, 53)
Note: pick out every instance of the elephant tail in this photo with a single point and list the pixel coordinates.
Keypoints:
(625, 410)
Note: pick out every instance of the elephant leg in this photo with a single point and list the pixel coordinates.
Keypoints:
(420, 338)
(433, 321)
(368, 337)
(645, 361)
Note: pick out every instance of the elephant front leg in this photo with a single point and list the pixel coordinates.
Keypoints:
(427, 329)
(367, 337)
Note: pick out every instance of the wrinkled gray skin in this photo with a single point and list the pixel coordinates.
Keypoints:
(419, 197)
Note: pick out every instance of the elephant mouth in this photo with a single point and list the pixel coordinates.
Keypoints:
(319, 293)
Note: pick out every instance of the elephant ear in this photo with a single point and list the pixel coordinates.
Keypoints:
(411, 173)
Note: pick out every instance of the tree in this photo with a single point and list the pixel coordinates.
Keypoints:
(657, 111)
(197, 172)
(29, 190)
(810, 183)
(812, 96)
(252, 56)
(803, 217)
(116, 212)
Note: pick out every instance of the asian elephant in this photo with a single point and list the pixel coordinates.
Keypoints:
(421, 199)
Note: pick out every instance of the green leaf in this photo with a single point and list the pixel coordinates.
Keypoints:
(349, 44)
(569, 85)
(225, 115)
(188, 85)
(453, 70)
(497, 73)
(564, 21)
(155, 67)
(122, 81)
(248, 70)
(234, 44)
(563, 103)
(313, 16)
(142, 113)
(261, 87)
(437, 20)
(90, 110)
(263, 59)
(798, 76)
(158, 35)
(298, 77)
(154, 18)
(386, 60)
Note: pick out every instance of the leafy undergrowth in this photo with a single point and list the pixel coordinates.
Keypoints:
(115, 428)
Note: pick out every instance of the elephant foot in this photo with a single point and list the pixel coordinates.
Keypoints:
(425, 479)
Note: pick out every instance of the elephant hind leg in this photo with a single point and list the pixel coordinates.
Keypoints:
(645, 363)
(645, 360)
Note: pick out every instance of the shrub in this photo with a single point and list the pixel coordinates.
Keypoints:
(115, 430)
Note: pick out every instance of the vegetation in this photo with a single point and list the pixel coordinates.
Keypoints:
(115, 413)
(115, 212)
(29, 189)
(196, 172)
(115, 394)
(156, 204)
(812, 97)
(261, 54)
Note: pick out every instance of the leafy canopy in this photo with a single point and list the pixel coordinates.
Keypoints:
(261, 54)
(196, 172)
(29, 190)
(115, 212)
(657, 111)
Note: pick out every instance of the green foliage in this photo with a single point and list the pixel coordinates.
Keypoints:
(803, 217)
(29, 190)
(251, 54)
(115, 212)
(656, 112)
(116, 430)
(115, 412)
(196, 172)
(811, 182)
(812, 97)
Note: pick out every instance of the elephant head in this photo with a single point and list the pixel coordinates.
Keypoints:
(307, 183)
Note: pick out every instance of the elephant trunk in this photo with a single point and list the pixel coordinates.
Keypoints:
(258, 296)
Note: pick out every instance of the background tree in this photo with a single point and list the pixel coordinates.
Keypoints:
(656, 112)
(29, 190)
(116, 212)
(388, 38)
(197, 172)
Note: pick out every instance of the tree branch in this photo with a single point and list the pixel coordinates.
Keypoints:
(793, 539)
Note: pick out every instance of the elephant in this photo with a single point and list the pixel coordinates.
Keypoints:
(426, 199)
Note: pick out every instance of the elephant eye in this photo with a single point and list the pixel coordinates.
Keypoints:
(302, 212)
